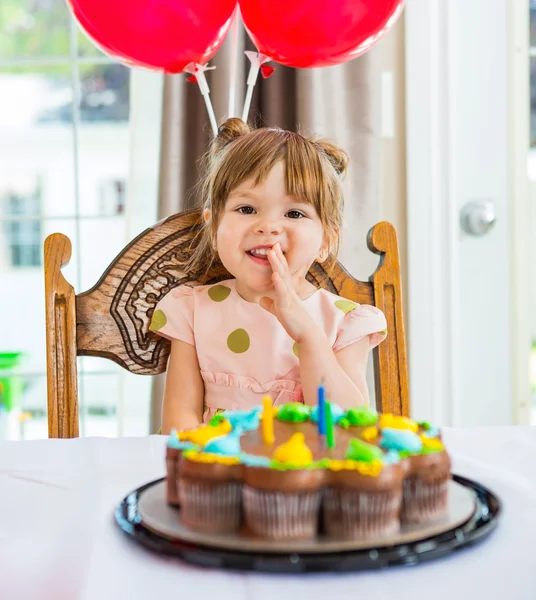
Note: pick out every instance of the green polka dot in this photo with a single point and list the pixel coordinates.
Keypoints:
(383, 332)
(158, 321)
(295, 349)
(238, 341)
(219, 293)
(346, 306)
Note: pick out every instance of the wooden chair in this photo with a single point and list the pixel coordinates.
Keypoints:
(112, 319)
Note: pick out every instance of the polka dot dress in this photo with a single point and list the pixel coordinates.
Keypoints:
(243, 351)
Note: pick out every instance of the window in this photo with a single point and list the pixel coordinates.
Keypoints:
(22, 230)
(65, 156)
(533, 73)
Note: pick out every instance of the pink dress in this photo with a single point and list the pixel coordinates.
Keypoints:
(244, 352)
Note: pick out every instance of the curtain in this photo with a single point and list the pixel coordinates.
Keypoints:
(341, 103)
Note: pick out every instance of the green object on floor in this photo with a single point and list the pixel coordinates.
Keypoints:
(532, 367)
(12, 385)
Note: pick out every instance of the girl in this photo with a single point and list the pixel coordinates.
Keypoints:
(273, 206)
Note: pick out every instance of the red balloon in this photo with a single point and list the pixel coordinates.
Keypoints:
(164, 35)
(317, 33)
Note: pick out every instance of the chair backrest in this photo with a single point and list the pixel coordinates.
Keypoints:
(111, 320)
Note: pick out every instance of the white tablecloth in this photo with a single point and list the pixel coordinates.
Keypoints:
(58, 539)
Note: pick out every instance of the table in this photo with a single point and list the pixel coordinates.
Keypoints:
(58, 539)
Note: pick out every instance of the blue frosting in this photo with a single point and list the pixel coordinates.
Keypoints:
(337, 413)
(400, 439)
(247, 420)
(391, 457)
(433, 432)
(254, 461)
(227, 445)
(176, 444)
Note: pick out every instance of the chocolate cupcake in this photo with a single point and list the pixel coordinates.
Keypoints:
(283, 501)
(210, 485)
(178, 442)
(364, 495)
(427, 473)
(175, 448)
(172, 471)
(426, 488)
(210, 492)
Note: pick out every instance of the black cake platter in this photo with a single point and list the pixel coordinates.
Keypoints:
(145, 517)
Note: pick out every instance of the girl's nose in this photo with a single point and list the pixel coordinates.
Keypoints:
(268, 226)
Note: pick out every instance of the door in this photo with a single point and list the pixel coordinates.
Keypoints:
(467, 140)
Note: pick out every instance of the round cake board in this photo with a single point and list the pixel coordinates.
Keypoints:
(164, 520)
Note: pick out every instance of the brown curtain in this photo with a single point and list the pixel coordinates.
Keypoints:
(341, 103)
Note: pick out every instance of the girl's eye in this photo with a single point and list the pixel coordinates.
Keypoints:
(246, 210)
(295, 214)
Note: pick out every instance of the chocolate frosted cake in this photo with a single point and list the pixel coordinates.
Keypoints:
(269, 472)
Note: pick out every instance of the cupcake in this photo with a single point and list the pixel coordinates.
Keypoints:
(174, 450)
(187, 440)
(427, 465)
(364, 494)
(426, 486)
(283, 501)
(210, 485)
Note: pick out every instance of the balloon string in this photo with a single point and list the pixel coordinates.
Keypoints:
(211, 114)
(257, 59)
(234, 59)
(247, 102)
(199, 72)
(252, 80)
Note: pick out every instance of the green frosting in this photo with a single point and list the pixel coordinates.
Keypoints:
(279, 466)
(425, 425)
(294, 412)
(216, 420)
(360, 450)
(430, 450)
(361, 415)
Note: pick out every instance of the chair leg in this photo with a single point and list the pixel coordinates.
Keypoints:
(60, 309)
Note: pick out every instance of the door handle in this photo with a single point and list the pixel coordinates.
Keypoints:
(477, 218)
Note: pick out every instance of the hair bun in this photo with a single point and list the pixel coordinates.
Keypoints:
(337, 156)
(228, 132)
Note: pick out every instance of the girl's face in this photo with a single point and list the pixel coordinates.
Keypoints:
(253, 220)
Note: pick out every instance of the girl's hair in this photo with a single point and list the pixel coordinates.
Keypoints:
(314, 169)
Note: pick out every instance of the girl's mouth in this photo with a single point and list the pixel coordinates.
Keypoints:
(259, 256)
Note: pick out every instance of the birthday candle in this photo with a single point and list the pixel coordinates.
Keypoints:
(321, 410)
(330, 433)
(268, 421)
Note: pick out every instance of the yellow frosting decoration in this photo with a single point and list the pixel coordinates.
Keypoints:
(206, 457)
(370, 433)
(373, 469)
(294, 451)
(432, 443)
(202, 435)
(388, 420)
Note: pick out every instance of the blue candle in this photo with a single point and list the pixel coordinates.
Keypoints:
(321, 410)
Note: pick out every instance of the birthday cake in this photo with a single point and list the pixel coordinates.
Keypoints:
(280, 473)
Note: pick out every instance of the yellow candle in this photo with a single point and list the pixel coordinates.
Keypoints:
(268, 421)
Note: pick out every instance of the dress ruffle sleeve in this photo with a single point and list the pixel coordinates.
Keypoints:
(363, 321)
(173, 317)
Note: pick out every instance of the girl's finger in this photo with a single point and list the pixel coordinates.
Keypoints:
(280, 267)
(274, 261)
(285, 269)
(280, 255)
(281, 291)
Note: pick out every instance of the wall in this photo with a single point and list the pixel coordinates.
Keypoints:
(393, 182)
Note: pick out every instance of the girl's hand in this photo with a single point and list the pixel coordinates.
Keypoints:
(286, 304)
